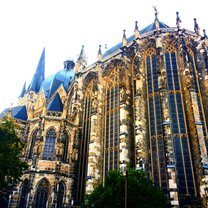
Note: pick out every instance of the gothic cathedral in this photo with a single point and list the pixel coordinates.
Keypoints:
(143, 102)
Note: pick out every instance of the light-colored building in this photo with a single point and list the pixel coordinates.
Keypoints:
(143, 102)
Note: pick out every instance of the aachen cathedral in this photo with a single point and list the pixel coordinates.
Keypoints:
(144, 102)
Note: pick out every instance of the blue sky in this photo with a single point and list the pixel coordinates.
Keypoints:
(62, 27)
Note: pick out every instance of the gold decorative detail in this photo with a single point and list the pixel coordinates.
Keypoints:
(88, 92)
(190, 52)
(54, 113)
(113, 78)
(150, 52)
(169, 48)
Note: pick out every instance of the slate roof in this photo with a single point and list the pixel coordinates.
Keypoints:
(18, 112)
(55, 104)
(23, 90)
(39, 74)
(6, 110)
(149, 28)
(51, 83)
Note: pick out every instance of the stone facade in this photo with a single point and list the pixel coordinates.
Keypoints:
(143, 103)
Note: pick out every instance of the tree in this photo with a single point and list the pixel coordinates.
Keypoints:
(140, 192)
(11, 165)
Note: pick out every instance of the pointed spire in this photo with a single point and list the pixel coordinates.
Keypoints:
(23, 90)
(136, 30)
(39, 75)
(178, 21)
(196, 27)
(157, 25)
(124, 39)
(204, 33)
(82, 60)
(81, 55)
(99, 53)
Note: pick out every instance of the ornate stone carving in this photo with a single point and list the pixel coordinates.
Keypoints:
(123, 96)
(75, 111)
(94, 103)
(110, 66)
(188, 78)
(90, 76)
(162, 81)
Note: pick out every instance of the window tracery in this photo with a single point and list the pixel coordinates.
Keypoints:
(42, 192)
(60, 195)
(49, 147)
(112, 102)
(24, 193)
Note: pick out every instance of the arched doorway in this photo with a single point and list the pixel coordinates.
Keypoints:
(60, 196)
(41, 196)
(24, 193)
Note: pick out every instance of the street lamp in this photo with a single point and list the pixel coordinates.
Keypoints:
(125, 174)
(205, 190)
(72, 203)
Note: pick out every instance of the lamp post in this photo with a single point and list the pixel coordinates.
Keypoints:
(205, 190)
(125, 174)
(72, 202)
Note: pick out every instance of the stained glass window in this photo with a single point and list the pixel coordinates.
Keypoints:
(112, 122)
(41, 195)
(60, 195)
(24, 193)
(49, 147)
(185, 181)
(84, 148)
(155, 120)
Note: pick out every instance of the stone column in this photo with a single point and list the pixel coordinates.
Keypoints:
(140, 109)
(94, 168)
(125, 108)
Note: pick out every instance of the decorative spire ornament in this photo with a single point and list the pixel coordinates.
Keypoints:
(178, 21)
(157, 25)
(136, 30)
(124, 39)
(81, 61)
(196, 27)
(99, 53)
(204, 33)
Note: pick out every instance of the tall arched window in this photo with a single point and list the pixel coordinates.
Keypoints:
(49, 147)
(32, 144)
(41, 196)
(155, 121)
(112, 122)
(60, 196)
(24, 193)
(180, 141)
(84, 148)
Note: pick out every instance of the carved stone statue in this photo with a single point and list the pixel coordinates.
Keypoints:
(122, 94)
(74, 113)
(94, 104)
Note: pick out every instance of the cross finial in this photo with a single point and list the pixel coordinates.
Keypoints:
(204, 32)
(136, 30)
(196, 27)
(178, 20)
(156, 12)
(124, 40)
(99, 55)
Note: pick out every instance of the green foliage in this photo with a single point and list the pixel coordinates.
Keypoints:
(140, 192)
(11, 147)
